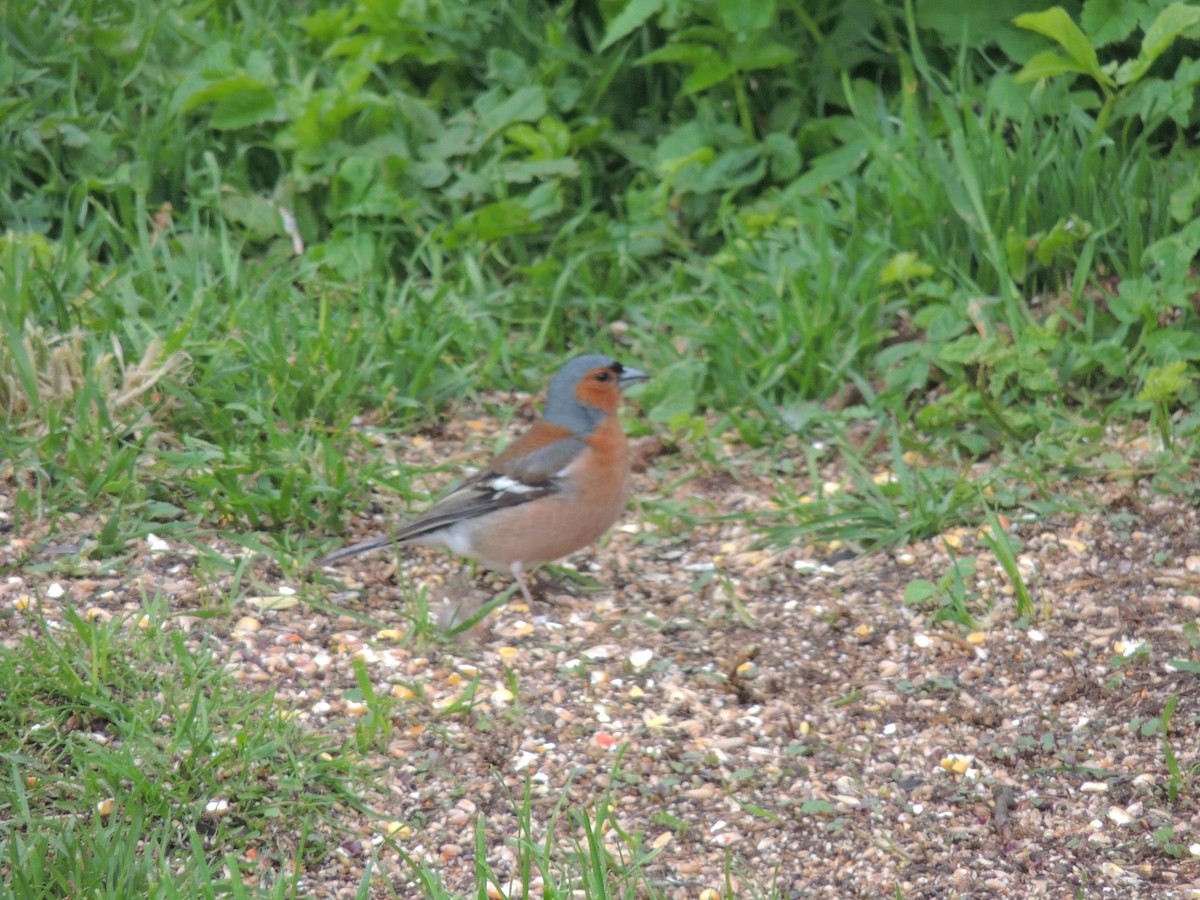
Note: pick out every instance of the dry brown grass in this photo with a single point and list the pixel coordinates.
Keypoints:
(43, 371)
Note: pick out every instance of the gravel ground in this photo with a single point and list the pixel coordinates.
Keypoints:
(777, 709)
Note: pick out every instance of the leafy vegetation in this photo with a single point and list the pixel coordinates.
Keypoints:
(256, 221)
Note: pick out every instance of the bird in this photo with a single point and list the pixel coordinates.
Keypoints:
(557, 488)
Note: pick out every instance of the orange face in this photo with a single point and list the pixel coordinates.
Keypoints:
(600, 388)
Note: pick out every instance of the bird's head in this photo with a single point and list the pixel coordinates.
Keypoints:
(587, 389)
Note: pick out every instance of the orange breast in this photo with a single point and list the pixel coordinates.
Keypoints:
(556, 526)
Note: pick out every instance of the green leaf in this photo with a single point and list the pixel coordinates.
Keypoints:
(1183, 199)
(919, 590)
(545, 200)
(250, 107)
(1046, 64)
(351, 256)
(1172, 344)
(526, 105)
(557, 134)
(492, 222)
(1109, 21)
(904, 267)
(975, 25)
(1065, 234)
(529, 138)
(708, 73)
(784, 158)
(550, 140)
(767, 56)
(1169, 25)
(1153, 100)
(1112, 357)
(1172, 255)
(255, 213)
(733, 169)
(1057, 25)
(744, 16)
(692, 54)
(675, 390)
(324, 25)
(635, 13)
(538, 170)
(429, 173)
(238, 102)
(1016, 252)
(829, 168)
(506, 68)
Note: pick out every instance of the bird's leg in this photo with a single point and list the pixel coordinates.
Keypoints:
(515, 568)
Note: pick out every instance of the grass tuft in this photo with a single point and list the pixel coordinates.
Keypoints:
(131, 759)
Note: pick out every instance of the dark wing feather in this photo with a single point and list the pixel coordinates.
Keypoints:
(478, 496)
(509, 482)
(542, 464)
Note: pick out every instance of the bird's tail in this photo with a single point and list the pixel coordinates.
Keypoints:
(354, 549)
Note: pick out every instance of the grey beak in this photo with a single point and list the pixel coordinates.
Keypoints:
(630, 376)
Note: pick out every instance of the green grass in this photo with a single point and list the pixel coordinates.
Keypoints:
(583, 852)
(805, 226)
(134, 766)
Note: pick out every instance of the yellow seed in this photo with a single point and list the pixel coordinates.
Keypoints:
(956, 763)
(244, 625)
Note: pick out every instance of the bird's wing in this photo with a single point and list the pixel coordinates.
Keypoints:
(527, 470)
(510, 481)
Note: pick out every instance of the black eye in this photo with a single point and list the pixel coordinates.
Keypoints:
(604, 376)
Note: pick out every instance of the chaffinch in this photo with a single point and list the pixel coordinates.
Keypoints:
(553, 491)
